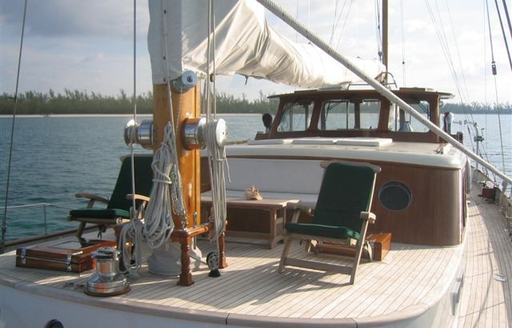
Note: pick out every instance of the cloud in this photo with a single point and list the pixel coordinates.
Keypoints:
(73, 19)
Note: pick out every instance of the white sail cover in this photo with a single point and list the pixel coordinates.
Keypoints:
(244, 44)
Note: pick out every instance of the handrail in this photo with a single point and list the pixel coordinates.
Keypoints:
(37, 205)
(44, 205)
(292, 22)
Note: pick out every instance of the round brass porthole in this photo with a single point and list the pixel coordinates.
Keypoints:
(395, 196)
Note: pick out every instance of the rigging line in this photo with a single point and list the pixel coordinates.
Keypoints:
(134, 101)
(334, 23)
(340, 18)
(504, 34)
(486, 74)
(490, 35)
(178, 207)
(345, 20)
(485, 57)
(208, 61)
(449, 51)
(9, 161)
(494, 72)
(445, 49)
(439, 37)
(210, 86)
(459, 57)
(499, 125)
(468, 116)
(378, 30)
(297, 17)
(403, 41)
(214, 90)
(508, 17)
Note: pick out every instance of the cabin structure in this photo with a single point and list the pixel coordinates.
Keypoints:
(421, 192)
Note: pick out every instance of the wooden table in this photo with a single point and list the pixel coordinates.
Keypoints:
(254, 219)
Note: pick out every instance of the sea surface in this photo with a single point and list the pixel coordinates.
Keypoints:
(56, 156)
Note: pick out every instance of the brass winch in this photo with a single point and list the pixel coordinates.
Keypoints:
(107, 280)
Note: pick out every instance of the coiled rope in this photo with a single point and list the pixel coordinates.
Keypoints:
(218, 169)
(216, 151)
(165, 199)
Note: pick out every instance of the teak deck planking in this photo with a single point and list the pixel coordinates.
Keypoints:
(410, 275)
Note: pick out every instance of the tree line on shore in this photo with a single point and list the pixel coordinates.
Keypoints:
(83, 102)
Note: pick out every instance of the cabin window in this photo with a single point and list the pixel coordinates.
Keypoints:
(347, 115)
(296, 116)
(401, 121)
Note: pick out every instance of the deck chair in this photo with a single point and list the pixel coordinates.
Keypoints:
(119, 204)
(342, 213)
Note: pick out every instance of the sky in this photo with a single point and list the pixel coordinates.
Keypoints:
(88, 45)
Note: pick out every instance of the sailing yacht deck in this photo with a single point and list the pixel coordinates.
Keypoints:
(410, 281)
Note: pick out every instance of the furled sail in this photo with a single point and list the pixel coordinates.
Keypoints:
(244, 44)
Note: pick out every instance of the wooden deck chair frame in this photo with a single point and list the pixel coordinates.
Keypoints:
(366, 218)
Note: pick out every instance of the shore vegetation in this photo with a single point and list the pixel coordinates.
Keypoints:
(85, 102)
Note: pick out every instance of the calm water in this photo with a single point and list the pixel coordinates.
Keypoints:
(55, 157)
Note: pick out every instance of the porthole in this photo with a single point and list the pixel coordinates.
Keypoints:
(54, 323)
(395, 196)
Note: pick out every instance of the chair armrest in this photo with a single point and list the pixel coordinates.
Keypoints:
(137, 197)
(92, 198)
(368, 216)
(297, 208)
(141, 209)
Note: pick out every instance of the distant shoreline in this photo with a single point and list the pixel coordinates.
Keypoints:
(150, 115)
(77, 102)
(105, 115)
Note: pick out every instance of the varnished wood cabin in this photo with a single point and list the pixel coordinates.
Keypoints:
(421, 192)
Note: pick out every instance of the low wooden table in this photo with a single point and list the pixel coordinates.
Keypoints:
(254, 219)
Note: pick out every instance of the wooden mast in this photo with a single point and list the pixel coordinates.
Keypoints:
(185, 105)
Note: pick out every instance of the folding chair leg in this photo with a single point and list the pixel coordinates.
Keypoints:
(80, 230)
(359, 251)
(286, 250)
(357, 259)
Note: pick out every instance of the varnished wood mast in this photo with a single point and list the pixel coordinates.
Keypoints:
(186, 105)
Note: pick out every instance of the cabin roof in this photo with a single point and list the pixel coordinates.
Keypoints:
(363, 93)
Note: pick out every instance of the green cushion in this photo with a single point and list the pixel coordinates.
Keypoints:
(339, 232)
(345, 192)
(123, 187)
(99, 213)
(119, 205)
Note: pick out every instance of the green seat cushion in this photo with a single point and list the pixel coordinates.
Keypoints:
(321, 230)
(346, 191)
(123, 187)
(96, 213)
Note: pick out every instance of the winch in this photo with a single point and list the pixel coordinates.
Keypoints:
(107, 280)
